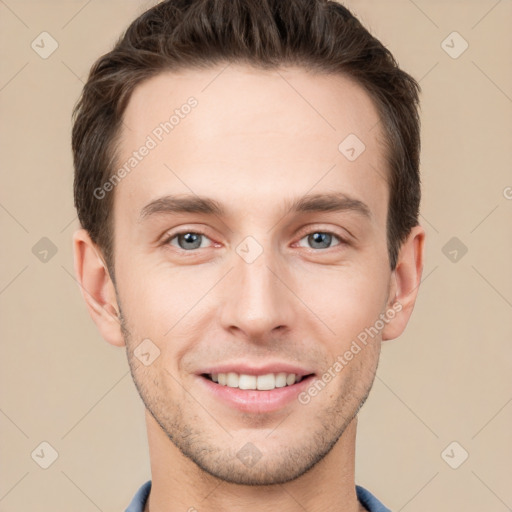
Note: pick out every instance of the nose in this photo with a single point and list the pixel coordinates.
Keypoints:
(259, 302)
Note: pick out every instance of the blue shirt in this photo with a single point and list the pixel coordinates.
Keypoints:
(366, 498)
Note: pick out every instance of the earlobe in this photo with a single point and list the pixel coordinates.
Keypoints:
(97, 288)
(405, 283)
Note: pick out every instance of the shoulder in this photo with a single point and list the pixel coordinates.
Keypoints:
(139, 500)
(369, 500)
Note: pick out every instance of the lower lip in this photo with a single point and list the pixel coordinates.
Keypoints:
(255, 401)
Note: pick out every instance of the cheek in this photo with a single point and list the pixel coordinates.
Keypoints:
(345, 299)
(153, 292)
(164, 305)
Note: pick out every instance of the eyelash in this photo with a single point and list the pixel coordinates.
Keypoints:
(171, 237)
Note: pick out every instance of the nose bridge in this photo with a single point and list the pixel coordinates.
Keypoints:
(258, 302)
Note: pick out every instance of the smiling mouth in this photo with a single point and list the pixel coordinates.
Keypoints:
(266, 382)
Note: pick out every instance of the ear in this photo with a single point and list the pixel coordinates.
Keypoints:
(97, 287)
(405, 282)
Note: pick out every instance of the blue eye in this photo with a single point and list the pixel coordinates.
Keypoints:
(188, 240)
(319, 239)
(191, 240)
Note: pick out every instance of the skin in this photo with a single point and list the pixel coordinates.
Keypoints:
(252, 143)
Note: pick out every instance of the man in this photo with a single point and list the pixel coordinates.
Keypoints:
(246, 178)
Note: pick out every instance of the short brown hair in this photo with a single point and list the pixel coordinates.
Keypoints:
(320, 35)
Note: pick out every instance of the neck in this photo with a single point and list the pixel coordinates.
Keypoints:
(178, 484)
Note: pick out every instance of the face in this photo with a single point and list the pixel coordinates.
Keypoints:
(274, 262)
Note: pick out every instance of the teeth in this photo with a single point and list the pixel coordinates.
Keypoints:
(265, 382)
(280, 380)
(246, 382)
(232, 380)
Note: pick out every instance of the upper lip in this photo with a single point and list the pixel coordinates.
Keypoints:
(252, 369)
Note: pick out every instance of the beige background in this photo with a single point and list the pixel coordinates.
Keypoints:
(448, 378)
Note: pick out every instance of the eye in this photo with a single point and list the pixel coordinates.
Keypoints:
(187, 240)
(191, 240)
(321, 239)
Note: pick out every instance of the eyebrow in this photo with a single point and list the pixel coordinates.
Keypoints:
(326, 202)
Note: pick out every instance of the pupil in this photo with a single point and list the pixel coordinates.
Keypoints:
(317, 238)
(191, 238)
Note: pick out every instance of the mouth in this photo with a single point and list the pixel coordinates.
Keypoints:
(257, 394)
(265, 382)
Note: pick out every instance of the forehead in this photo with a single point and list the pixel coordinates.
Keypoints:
(245, 131)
